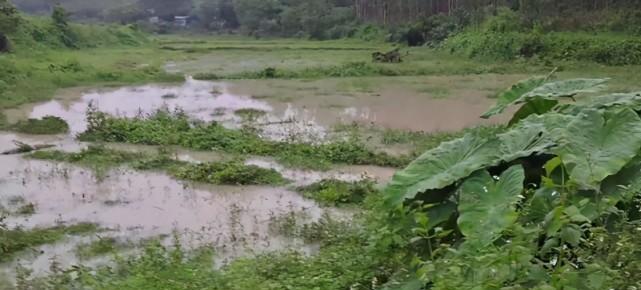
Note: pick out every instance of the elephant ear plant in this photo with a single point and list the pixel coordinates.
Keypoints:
(548, 204)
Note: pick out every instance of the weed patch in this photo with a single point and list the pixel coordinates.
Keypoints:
(167, 128)
(15, 240)
(233, 173)
(331, 192)
(46, 125)
(97, 248)
(101, 159)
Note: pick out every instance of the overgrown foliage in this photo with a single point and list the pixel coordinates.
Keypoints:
(234, 173)
(605, 49)
(15, 240)
(46, 125)
(533, 206)
(175, 128)
(332, 192)
(101, 159)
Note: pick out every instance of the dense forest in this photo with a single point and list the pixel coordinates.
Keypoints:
(344, 18)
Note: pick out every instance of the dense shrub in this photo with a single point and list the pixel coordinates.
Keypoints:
(581, 47)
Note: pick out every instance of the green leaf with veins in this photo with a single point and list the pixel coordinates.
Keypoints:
(597, 144)
(487, 206)
(536, 89)
(507, 98)
(442, 166)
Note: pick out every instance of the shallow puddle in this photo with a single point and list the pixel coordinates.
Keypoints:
(345, 173)
(429, 104)
(145, 204)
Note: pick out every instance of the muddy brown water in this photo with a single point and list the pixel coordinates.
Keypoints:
(234, 220)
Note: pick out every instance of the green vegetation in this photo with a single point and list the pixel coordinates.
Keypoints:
(26, 209)
(16, 240)
(331, 192)
(100, 159)
(99, 247)
(533, 201)
(344, 261)
(549, 201)
(234, 172)
(48, 54)
(605, 49)
(250, 114)
(167, 128)
(46, 125)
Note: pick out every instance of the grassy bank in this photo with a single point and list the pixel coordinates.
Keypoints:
(49, 53)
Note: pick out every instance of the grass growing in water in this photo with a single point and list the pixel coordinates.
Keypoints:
(332, 192)
(249, 114)
(232, 172)
(101, 159)
(167, 128)
(15, 240)
(44, 126)
(343, 262)
(99, 247)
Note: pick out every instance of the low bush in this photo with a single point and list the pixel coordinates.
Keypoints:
(604, 49)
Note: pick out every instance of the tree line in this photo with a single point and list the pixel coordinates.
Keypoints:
(325, 19)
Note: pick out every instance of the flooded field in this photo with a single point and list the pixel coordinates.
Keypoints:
(132, 206)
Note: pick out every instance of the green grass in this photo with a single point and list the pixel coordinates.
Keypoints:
(101, 159)
(344, 261)
(331, 192)
(44, 126)
(250, 114)
(16, 240)
(233, 173)
(99, 247)
(165, 128)
(35, 75)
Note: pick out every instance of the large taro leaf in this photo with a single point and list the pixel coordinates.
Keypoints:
(487, 207)
(455, 160)
(506, 98)
(442, 166)
(625, 183)
(630, 100)
(536, 106)
(524, 140)
(550, 121)
(536, 90)
(565, 88)
(598, 144)
(440, 213)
